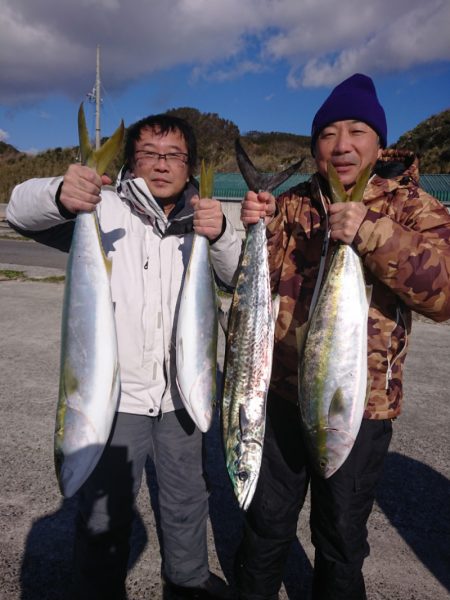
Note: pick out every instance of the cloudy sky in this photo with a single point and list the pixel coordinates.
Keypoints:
(264, 64)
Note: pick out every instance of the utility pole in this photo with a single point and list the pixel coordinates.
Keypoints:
(97, 101)
(95, 96)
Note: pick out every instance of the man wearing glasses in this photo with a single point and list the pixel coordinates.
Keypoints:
(147, 223)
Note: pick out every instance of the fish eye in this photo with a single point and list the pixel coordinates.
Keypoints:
(242, 475)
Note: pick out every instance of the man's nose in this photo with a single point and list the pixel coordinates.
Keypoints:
(342, 142)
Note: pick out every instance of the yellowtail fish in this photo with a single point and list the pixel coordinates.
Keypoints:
(248, 360)
(197, 327)
(333, 355)
(89, 372)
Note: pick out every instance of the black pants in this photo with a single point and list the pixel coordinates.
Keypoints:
(340, 507)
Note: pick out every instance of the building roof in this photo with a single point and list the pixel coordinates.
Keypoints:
(437, 186)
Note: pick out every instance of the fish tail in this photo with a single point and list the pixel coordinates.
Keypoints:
(257, 181)
(338, 193)
(206, 181)
(101, 158)
(360, 185)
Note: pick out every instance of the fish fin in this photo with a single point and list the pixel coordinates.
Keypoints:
(369, 385)
(338, 193)
(223, 316)
(300, 334)
(101, 158)
(360, 185)
(275, 307)
(83, 135)
(257, 181)
(109, 150)
(243, 419)
(337, 405)
(108, 263)
(206, 181)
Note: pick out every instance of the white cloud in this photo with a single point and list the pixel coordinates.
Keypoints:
(48, 46)
(4, 135)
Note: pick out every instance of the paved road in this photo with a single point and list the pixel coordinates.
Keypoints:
(409, 527)
(29, 253)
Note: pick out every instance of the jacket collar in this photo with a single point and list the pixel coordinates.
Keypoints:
(135, 191)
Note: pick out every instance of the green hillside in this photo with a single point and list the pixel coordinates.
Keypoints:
(431, 141)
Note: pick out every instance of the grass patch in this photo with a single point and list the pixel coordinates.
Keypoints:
(11, 274)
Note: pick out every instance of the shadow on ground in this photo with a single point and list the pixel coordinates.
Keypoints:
(416, 500)
(414, 497)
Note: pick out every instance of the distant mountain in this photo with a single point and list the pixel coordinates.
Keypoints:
(7, 149)
(430, 140)
(269, 151)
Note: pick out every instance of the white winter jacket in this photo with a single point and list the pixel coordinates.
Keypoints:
(149, 256)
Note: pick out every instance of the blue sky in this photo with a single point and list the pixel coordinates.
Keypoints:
(266, 65)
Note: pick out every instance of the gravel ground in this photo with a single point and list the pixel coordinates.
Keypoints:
(409, 528)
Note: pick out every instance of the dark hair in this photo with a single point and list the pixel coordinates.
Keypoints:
(164, 124)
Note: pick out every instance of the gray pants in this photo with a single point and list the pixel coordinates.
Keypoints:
(106, 504)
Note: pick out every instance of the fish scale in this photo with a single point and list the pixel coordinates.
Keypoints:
(248, 367)
(250, 339)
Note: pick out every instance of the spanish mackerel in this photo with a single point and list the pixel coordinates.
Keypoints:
(333, 355)
(248, 360)
(197, 327)
(89, 371)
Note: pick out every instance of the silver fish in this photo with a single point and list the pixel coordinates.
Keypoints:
(248, 360)
(89, 372)
(197, 328)
(333, 353)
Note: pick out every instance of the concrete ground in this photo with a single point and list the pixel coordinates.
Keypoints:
(409, 529)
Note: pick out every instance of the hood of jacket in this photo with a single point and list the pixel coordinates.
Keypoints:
(135, 191)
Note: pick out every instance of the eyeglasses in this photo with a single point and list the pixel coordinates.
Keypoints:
(172, 158)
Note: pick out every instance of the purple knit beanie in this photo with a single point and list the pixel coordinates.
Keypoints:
(354, 98)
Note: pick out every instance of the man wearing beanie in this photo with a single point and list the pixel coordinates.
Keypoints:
(402, 236)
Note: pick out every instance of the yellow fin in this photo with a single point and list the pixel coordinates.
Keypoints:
(360, 185)
(338, 193)
(101, 158)
(337, 404)
(275, 307)
(83, 135)
(369, 385)
(300, 334)
(206, 181)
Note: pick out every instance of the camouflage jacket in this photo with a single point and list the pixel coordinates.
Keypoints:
(404, 244)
